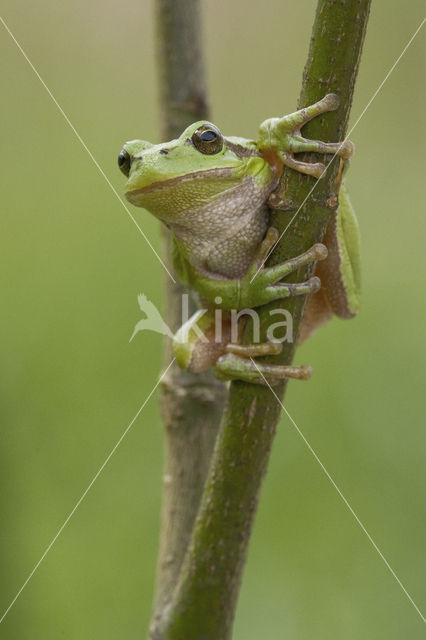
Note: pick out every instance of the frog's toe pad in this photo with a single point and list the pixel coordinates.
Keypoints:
(319, 251)
(347, 150)
(332, 101)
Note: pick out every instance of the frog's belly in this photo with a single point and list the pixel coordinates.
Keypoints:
(222, 236)
(233, 256)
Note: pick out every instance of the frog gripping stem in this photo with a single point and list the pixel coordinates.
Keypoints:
(232, 367)
(295, 121)
(283, 135)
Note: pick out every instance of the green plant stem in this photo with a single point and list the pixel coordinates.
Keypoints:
(191, 405)
(204, 600)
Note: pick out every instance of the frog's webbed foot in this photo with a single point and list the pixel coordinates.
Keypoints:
(263, 284)
(283, 135)
(238, 364)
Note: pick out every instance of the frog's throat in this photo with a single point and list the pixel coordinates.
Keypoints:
(225, 172)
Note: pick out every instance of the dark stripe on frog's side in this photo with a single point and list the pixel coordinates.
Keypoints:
(340, 273)
(271, 157)
(329, 272)
(240, 151)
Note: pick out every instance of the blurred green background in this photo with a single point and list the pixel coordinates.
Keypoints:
(72, 266)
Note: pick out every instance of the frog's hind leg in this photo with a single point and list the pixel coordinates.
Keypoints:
(233, 367)
(198, 343)
(254, 350)
(237, 364)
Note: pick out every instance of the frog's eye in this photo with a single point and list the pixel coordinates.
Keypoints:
(124, 162)
(207, 139)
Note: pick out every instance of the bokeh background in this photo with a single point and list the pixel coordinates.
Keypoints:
(72, 266)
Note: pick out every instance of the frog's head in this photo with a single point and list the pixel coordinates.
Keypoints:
(171, 178)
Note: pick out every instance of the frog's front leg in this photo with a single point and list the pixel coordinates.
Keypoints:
(237, 362)
(298, 118)
(198, 345)
(282, 135)
(260, 284)
(299, 144)
(263, 284)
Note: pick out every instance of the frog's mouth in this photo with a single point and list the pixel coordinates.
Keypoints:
(172, 199)
(223, 173)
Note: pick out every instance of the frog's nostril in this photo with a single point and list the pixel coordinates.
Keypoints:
(163, 152)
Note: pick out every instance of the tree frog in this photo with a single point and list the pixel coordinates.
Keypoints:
(212, 192)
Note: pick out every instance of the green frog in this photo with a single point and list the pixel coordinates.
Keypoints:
(212, 192)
